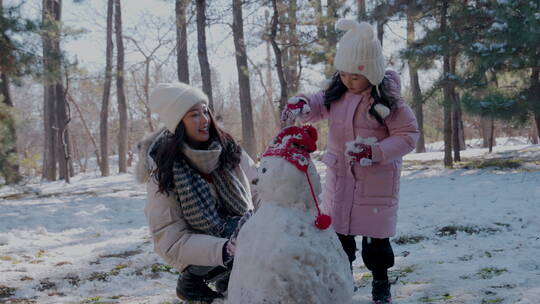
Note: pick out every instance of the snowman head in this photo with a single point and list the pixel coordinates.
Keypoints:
(282, 171)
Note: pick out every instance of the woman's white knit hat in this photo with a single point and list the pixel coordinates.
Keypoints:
(359, 51)
(171, 101)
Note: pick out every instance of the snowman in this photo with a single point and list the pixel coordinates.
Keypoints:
(284, 253)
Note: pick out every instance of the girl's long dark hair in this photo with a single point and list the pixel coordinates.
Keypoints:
(169, 150)
(336, 89)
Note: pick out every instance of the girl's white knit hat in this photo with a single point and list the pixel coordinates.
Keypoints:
(359, 51)
(171, 101)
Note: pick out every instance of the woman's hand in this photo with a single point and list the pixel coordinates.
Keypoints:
(229, 248)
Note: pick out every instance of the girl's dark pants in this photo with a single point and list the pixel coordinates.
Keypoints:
(376, 253)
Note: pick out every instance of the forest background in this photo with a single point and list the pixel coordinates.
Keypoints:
(76, 75)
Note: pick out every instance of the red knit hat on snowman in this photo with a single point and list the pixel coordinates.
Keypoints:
(294, 145)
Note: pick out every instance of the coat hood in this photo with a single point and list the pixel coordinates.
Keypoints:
(146, 163)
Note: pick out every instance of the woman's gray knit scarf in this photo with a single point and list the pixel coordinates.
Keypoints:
(199, 206)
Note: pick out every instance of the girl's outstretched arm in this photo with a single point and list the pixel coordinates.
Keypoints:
(318, 110)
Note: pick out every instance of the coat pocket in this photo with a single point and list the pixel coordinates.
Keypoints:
(330, 160)
(334, 184)
(380, 181)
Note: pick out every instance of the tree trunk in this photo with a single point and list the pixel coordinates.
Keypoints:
(9, 162)
(86, 128)
(269, 82)
(293, 50)
(104, 115)
(382, 19)
(181, 41)
(361, 14)
(455, 113)
(9, 158)
(202, 51)
(269, 106)
(279, 62)
(447, 89)
(492, 135)
(331, 36)
(537, 119)
(62, 115)
(65, 166)
(146, 89)
(533, 134)
(415, 83)
(462, 144)
(321, 31)
(485, 128)
(282, 38)
(49, 16)
(130, 154)
(248, 131)
(55, 108)
(535, 88)
(120, 95)
(380, 31)
(77, 153)
(456, 132)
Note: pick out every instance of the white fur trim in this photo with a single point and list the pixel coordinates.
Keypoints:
(347, 24)
(293, 100)
(365, 162)
(306, 109)
(351, 147)
(145, 163)
(382, 110)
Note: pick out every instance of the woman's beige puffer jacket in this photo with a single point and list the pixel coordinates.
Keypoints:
(172, 237)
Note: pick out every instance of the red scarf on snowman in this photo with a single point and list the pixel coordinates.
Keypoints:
(294, 145)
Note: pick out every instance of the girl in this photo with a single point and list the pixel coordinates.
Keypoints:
(197, 189)
(370, 129)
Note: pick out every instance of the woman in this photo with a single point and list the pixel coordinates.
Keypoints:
(197, 189)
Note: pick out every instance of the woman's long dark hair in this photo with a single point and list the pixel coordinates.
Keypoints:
(337, 88)
(169, 150)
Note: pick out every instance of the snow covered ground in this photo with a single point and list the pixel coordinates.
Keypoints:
(464, 236)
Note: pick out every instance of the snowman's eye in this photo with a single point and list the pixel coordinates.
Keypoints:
(263, 170)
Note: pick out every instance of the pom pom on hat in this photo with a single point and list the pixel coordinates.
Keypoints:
(347, 24)
(364, 29)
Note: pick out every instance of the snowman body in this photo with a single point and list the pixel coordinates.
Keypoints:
(281, 257)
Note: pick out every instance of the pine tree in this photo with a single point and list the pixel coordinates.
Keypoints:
(508, 41)
(447, 41)
(496, 104)
(16, 60)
